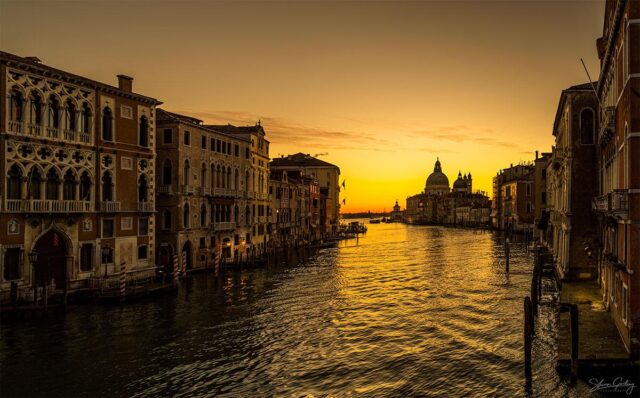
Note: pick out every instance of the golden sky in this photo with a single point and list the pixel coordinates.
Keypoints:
(379, 88)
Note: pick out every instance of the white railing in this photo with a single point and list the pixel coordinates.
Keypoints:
(164, 189)
(600, 203)
(205, 191)
(48, 206)
(224, 226)
(188, 189)
(110, 207)
(36, 130)
(146, 206)
(620, 201)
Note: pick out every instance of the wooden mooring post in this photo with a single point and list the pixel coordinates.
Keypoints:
(506, 253)
(528, 334)
(574, 333)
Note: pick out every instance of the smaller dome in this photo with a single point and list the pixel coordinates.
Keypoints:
(460, 183)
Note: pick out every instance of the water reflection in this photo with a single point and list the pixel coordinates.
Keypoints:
(404, 311)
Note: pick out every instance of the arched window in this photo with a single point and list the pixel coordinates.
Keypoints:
(16, 105)
(71, 115)
(14, 183)
(587, 126)
(36, 109)
(236, 214)
(53, 182)
(35, 181)
(247, 215)
(143, 190)
(228, 217)
(186, 172)
(236, 180)
(167, 173)
(185, 216)
(166, 219)
(203, 215)
(213, 175)
(54, 112)
(144, 132)
(107, 187)
(203, 175)
(107, 124)
(219, 178)
(86, 118)
(228, 177)
(85, 186)
(69, 186)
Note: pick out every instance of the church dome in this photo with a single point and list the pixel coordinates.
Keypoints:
(460, 183)
(437, 182)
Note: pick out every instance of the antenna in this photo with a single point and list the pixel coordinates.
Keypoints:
(591, 83)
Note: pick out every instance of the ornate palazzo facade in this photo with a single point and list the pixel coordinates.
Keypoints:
(72, 149)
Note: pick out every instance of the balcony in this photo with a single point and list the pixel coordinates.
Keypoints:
(188, 189)
(47, 206)
(205, 191)
(53, 133)
(224, 192)
(600, 204)
(607, 125)
(147, 207)
(224, 226)
(620, 202)
(165, 189)
(109, 207)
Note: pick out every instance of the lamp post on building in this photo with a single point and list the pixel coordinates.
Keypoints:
(33, 257)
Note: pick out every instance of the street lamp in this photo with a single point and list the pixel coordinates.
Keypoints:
(33, 257)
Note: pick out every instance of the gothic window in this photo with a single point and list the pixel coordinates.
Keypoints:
(69, 186)
(36, 109)
(107, 124)
(54, 112)
(14, 186)
(71, 115)
(203, 215)
(107, 187)
(144, 132)
(203, 175)
(166, 219)
(143, 190)
(35, 181)
(166, 172)
(185, 216)
(85, 186)
(236, 180)
(16, 105)
(86, 118)
(186, 172)
(12, 260)
(213, 175)
(52, 186)
(86, 257)
(219, 180)
(236, 214)
(586, 126)
(229, 177)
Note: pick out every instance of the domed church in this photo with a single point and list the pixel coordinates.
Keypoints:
(437, 182)
(462, 184)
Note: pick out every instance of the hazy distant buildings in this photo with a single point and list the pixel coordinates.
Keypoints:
(513, 198)
(438, 204)
(327, 176)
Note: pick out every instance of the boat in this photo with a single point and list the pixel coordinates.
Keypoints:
(374, 221)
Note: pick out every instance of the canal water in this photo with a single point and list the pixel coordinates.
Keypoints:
(403, 311)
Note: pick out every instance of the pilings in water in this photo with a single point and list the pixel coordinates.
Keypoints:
(574, 333)
(528, 335)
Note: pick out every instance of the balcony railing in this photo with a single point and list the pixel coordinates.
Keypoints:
(146, 206)
(164, 189)
(37, 130)
(205, 191)
(47, 206)
(188, 189)
(110, 207)
(620, 201)
(224, 226)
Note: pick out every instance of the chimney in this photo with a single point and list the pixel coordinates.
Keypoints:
(536, 155)
(125, 83)
(35, 60)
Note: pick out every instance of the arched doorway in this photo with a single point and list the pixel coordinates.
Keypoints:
(165, 260)
(187, 248)
(52, 259)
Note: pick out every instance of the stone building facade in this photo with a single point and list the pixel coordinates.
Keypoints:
(78, 186)
(570, 183)
(618, 168)
(513, 197)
